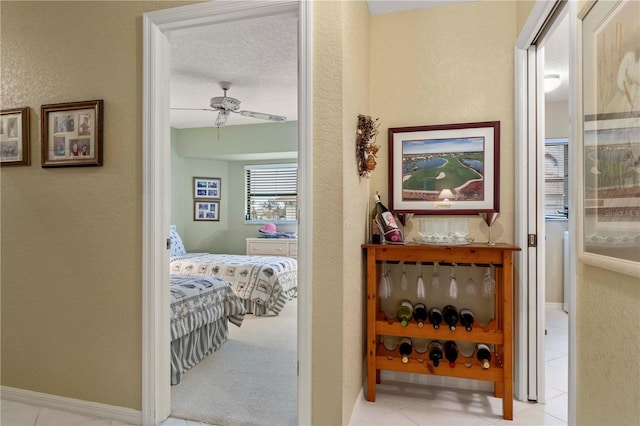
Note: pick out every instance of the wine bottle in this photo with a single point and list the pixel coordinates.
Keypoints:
(420, 314)
(404, 312)
(450, 316)
(387, 223)
(435, 352)
(483, 353)
(435, 317)
(451, 352)
(405, 349)
(466, 319)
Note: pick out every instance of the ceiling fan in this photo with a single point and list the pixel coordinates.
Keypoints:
(225, 105)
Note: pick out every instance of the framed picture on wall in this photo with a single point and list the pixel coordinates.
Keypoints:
(206, 188)
(609, 202)
(72, 134)
(445, 169)
(206, 210)
(14, 137)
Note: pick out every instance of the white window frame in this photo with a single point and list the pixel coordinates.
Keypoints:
(284, 166)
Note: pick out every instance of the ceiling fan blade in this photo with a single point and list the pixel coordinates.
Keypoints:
(221, 118)
(194, 109)
(262, 116)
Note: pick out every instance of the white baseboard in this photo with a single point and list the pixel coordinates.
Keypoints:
(78, 406)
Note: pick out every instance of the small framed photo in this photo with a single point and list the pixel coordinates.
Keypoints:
(206, 210)
(206, 188)
(14, 137)
(450, 169)
(72, 134)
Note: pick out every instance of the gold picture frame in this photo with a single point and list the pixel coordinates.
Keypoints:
(15, 143)
(72, 134)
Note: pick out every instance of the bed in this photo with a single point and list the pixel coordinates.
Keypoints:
(263, 283)
(201, 310)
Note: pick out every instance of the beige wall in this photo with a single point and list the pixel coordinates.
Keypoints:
(71, 237)
(355, 197)
(447, 65)
(607, 380)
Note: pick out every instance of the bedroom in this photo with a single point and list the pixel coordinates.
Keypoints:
(263, 83)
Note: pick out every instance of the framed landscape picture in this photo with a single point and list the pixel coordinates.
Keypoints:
(445, 169)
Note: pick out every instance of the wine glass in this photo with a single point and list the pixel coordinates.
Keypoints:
(453, 284)
(435, 277)
(472, 287)
(489, 218)
(420, 293)
(404, 284)
(488, 284)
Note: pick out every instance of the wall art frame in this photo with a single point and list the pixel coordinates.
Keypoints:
(15, 141)
(425, 161)
(205, 210)
(72, 134)
(205, 188)
(609, 200)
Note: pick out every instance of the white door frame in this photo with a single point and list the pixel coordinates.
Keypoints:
(528, 131)
(156, 392)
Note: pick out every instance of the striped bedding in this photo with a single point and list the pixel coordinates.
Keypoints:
(264, 283)
(201, 309)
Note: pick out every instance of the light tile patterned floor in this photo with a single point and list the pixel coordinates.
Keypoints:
(409, 404)
(397, 403)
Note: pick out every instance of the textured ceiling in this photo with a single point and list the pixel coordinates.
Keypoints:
(259, 58)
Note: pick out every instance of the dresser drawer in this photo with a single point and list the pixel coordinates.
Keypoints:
(271, 249)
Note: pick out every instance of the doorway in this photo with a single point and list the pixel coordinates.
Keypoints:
(532, 225)
(157, 27)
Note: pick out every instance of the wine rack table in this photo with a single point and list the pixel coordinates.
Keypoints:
(499, 331)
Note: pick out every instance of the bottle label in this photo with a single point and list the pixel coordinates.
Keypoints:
(389, 220)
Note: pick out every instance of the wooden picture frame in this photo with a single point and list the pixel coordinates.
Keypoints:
(205, 210)
(15, 143)
(608, 203)
(205, 188)
(72, 134)
(426, 161)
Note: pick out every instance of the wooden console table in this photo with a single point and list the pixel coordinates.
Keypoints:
(499, 331)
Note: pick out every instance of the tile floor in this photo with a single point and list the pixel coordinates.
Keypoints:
(396, 403)
(400, 404)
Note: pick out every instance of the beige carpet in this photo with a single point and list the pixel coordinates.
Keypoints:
(251, 380)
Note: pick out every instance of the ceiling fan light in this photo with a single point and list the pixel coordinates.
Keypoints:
(221, 119)
(551, 82)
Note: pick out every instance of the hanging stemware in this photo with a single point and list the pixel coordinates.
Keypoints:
(435, 277)
(488, 284)
(471, 286)
(383, 287)
(404, 284)
(420, 292)
(453, 284)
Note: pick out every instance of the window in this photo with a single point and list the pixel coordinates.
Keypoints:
(271, 193)
(556, 182)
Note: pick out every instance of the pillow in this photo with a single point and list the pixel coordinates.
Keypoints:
(177, 247)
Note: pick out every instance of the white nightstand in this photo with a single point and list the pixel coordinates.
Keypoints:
(272, 247)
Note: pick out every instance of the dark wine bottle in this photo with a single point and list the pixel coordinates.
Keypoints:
(450, 316)
(451, 352)
(404, 312)
(435, 317)
(405, 348)
(435, 352)
(387, 223)
(420, 314)
(483, 353)
(466, 319)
